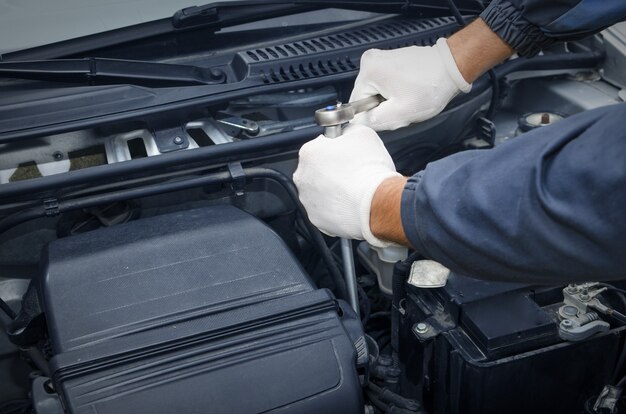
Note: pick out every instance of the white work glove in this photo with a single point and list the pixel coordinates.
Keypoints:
(337, 178)
(418, 82)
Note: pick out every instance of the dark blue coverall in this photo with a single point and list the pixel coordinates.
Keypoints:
(547, 207)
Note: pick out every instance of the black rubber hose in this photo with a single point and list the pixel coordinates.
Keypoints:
(20, 217)
(613, 288)
(390, 397)
(375, 400)
(364, 304)
(399, 276)
(316, 235)
(619, 366)
(392, 409)
(495, 94)
(551, 61)
(63, 206)
(618, 315)
(212, 155)
(389, 408)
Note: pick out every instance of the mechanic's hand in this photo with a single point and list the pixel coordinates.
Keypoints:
(418, 82)
(337, 178)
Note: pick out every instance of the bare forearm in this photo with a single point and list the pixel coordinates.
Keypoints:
(385, 219)
(476, 49)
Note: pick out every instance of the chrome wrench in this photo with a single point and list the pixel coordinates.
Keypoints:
(332, 118)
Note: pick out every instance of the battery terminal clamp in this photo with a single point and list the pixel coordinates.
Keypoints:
(579, 313)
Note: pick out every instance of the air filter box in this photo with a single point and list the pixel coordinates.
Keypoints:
(194, 312)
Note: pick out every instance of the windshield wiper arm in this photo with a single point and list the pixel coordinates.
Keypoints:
(215, 16)
(99, 71)
(212, 18)
(223, 14)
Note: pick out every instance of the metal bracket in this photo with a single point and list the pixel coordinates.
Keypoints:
(171, 139)
(486, 130)
(51, 207)
(239, 124)
(239, 177)
(607, 400)
(425, 331)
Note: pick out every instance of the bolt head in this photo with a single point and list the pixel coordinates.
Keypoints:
(178, 140)
(570, 310)
(216, 74)
(421, 328)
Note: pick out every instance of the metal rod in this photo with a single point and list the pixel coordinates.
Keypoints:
(349, 271)
(350, 274)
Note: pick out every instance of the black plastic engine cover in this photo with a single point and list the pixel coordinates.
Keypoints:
(196, 311)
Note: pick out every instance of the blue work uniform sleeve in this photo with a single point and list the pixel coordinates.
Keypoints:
(530, 25)
(546, 207)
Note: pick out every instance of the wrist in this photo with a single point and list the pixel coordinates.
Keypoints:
(385, 217)
(476, 49)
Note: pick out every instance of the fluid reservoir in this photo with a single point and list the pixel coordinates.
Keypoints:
(532, 120)
(380, 261)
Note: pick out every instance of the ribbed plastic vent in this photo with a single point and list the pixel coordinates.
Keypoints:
(339, 52)
(310, 70)
(378, 32)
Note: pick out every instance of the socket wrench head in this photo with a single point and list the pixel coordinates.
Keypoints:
(334, 115)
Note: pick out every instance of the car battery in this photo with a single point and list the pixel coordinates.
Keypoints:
(484, 347)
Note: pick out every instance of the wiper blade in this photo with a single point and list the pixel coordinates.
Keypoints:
(223, 14)
(215, 16)
(99, 71)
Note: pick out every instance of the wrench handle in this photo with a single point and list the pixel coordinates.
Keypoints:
(365, 104)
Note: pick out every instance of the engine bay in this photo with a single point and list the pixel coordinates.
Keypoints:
(155, 256)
